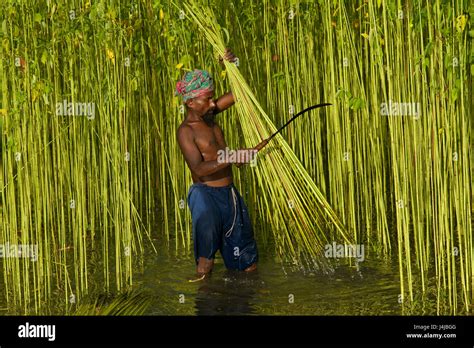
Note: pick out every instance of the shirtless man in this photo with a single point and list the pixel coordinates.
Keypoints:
(219, 214)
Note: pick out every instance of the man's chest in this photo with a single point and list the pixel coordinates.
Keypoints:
(209, 138)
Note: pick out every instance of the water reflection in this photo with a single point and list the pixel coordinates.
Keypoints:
(273, 290)
(231, 294)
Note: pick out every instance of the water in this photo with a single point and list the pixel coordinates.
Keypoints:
(272, 290)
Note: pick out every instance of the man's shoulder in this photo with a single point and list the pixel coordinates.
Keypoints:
(184, 129)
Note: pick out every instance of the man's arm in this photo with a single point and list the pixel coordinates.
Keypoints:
(227, 100)
(224, 102)
(193, 156)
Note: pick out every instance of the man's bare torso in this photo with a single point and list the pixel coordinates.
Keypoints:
(209, 139)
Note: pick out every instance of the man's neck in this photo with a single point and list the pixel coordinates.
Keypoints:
(193, 117)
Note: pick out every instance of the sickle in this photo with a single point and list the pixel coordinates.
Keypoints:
(297, 115)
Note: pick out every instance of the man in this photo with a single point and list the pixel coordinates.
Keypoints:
(219, 214)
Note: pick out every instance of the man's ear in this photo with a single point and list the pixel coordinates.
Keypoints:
(190, 103)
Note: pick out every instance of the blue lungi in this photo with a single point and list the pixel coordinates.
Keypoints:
(221, 222)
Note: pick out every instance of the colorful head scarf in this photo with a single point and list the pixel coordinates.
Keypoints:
(193, 84)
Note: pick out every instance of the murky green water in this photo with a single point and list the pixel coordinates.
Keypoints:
(272, 289)
(278, 289)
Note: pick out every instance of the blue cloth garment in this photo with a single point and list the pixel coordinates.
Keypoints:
(221, 222)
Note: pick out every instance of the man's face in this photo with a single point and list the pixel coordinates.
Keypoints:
(204, 104)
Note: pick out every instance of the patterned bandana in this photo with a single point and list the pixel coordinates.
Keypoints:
(193, 84)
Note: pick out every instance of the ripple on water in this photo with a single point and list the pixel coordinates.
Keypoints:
(373, 290)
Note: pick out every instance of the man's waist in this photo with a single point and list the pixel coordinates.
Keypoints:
(223, 182)
(220, 183)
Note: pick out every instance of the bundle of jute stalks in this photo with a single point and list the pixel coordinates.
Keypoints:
(303, 223)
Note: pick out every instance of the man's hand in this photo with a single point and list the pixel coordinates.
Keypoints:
(245, 156)
(253, 153)
(228, 55)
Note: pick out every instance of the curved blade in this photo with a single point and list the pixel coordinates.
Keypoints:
(297, 115)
